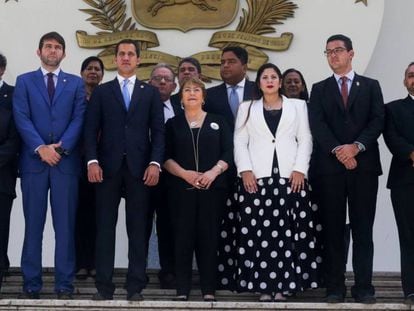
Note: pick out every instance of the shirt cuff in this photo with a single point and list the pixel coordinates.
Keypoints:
(92, 161)
(157, 164)
(360, 146)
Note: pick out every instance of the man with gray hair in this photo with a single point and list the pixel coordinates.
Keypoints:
(163, 78)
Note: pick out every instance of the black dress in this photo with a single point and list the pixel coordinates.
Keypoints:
(268, 242)
(196, 213)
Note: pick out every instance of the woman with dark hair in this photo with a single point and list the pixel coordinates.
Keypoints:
(92, 70)
(199, 149)
(275, 238)
(294, 85)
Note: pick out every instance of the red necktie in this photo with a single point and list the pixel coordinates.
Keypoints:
(344, 90)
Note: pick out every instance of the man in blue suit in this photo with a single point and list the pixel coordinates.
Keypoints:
(48, 106)
(124, 144)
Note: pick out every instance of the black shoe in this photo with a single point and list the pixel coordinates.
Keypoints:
(99, 297)
(367, 299)
(63, 295)
(409, 300)
(181, 298)
(135, 297)
(29, 295)
(334, 298)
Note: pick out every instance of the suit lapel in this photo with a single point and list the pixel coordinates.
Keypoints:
(60, 86)
(355, 87)
(334, 89)
(135, 96)
(39, 82)
(117, 92)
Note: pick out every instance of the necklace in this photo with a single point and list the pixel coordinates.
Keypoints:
(276, 106)
(196, 122)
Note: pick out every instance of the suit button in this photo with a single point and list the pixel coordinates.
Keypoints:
(126, 126)
(273, 141)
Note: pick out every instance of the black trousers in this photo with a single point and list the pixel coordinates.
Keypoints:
(85, 231)
(160, 206)
(358, 190)
(108, 196)
(403, 203)
(6, 202)
(196, 221)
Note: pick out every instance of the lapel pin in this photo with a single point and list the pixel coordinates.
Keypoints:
(357, 83)
(142, 86)
(64, 80)
(5, 95)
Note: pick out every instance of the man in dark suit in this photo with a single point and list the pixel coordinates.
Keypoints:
(346, 114)
(187, 67)
(399, 137)
(9, 147)
(49, 107)
(225, 98)
(163, 78)
(124, 144)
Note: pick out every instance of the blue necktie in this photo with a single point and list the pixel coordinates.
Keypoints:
(125, 94)
(234, 100)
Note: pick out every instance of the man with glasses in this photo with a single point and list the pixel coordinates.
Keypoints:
(346, 114)
(163, 78)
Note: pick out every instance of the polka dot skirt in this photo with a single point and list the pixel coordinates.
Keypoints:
(268, 240)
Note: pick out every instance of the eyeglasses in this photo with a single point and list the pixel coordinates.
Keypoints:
(334, 51)
(160, 78)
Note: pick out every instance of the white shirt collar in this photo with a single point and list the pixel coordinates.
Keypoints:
(55, 72)
(1, 83)
(412, 96)
(131, 79)
(240, 84)
(350, 75)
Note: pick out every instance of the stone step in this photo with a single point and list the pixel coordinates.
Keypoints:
(388, 292)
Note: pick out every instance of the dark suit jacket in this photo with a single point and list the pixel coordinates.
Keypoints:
(333, 125)
(217, 101)
(176, 104)
(399, 137)
(9, 142)
(215, 143)
(41, 122)
(138, 132)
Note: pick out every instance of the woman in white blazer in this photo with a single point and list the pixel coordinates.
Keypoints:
(275, 237)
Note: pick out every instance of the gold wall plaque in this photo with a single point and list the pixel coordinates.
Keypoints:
(184, 15)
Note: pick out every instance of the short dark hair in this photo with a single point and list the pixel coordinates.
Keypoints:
(53, 35)
(127, 41)
(192, 61)
(3, 61)
(339, 37)
(240, 53)
(90, 59)
(303, 94)
(405, 72)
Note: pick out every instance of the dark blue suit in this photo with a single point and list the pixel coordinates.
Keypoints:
(217, 100)
(128, 142)
(41, 122)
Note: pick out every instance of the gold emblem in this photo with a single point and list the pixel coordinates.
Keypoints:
(257, 20)
(184, 14)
